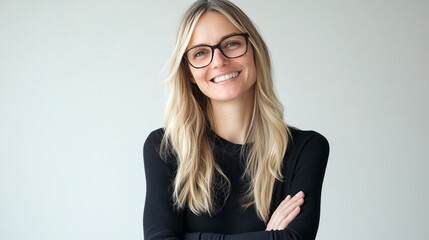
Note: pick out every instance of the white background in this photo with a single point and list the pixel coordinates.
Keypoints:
(81, 88)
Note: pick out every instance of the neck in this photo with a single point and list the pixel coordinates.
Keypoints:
(232, 118)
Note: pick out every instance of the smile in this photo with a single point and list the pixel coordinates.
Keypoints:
(225, 77)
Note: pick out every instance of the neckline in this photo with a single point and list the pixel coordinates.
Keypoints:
(226, 142)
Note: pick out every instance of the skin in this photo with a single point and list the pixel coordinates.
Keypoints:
(288, 209)
(232, 100)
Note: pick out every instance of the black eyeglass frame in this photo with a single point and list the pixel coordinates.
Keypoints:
(213, 47)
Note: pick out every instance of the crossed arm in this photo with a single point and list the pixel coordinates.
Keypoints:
(162, 221)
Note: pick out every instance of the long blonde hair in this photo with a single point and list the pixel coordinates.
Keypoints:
(188, 132)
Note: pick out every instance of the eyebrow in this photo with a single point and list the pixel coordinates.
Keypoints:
(205, 44)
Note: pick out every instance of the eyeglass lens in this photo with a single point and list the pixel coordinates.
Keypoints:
(233, 46)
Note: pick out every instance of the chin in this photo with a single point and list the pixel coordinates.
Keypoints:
(227, 97)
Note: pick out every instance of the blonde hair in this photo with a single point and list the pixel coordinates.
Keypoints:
(188, 132)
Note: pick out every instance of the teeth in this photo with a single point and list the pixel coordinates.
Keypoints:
(225, 77)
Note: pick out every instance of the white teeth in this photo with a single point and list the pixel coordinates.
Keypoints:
(225, 77)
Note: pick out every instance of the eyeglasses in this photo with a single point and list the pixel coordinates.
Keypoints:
(232, 46)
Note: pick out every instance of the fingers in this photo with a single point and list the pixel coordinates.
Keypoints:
(283, 224)
(276, 218)
(288, 209)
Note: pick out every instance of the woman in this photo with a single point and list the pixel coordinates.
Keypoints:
(225, 165)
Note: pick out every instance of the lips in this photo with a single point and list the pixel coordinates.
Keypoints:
(225, 77)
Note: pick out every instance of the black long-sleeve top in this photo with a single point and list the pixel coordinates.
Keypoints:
(303, 169)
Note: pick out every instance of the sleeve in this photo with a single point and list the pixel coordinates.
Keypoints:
(308, 177)
(160, 219)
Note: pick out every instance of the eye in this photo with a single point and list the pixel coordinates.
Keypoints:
(199, 54)
(232, 44)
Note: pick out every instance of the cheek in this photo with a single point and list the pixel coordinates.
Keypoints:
(250, 62)
(198, 75)
(192, 71)
(250, 59)
(194, 74)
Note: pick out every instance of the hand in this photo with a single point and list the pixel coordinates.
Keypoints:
(288, 209)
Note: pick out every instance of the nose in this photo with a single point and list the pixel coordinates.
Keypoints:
(219, 60)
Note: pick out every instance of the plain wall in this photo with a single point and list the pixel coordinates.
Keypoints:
(81, 88)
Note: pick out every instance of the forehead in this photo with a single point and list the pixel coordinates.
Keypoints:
(211, 28)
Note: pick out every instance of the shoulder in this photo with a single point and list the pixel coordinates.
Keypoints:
(301, 138)
(307, 145)
(155, 137)
(151, 147)
(153, 158)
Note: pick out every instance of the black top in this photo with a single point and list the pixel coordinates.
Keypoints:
(303, 169)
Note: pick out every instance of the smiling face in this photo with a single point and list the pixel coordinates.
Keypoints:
(224, 79)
